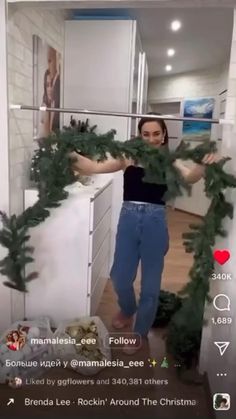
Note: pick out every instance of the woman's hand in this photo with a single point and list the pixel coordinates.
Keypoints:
(73, 155)
(211, 158)
(74, 162)
(195, 173)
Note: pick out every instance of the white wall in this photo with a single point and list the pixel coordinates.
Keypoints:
(211, 361)
(194, 84)
(223, 79)
(5, 295)
(23, 22)
(187, 85)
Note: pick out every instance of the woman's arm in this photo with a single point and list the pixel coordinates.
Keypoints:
(86, 166)
(195, 173)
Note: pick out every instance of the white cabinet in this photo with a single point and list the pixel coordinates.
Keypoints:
(101, 74)
(72, 250)
(142, 84)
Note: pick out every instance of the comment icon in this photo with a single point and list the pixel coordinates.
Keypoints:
(221, 302)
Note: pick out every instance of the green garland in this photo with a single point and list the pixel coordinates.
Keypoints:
(51, 171)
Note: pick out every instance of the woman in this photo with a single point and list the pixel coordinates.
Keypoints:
(142, 233)
(55, 86)
(13, 341)
(51, 99)
(47, 101)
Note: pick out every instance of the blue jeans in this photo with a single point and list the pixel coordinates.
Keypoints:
(142, 234)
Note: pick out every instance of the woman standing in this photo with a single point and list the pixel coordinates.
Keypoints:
(142, 233)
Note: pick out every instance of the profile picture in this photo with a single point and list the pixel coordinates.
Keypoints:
(15, 382)
(46, 87)
(16, 339)
(221, 401)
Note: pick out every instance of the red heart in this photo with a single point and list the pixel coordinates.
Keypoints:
(221, 256)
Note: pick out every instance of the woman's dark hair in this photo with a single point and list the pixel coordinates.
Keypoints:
(161, 122)
(10, 335)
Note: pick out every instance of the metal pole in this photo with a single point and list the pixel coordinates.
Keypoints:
(120, 114)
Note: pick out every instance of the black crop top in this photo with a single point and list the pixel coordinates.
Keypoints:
(135, 189)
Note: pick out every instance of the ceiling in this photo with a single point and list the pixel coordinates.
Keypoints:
(204, 41)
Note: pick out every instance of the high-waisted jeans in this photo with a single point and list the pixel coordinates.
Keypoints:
(142, 235)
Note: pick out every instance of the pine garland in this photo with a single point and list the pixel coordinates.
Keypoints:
(51, 171)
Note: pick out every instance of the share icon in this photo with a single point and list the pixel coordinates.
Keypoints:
(222, 346)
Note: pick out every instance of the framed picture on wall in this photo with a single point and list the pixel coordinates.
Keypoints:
(46, 87)
(197, 108)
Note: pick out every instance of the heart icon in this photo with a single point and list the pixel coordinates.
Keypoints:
(221, 256)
